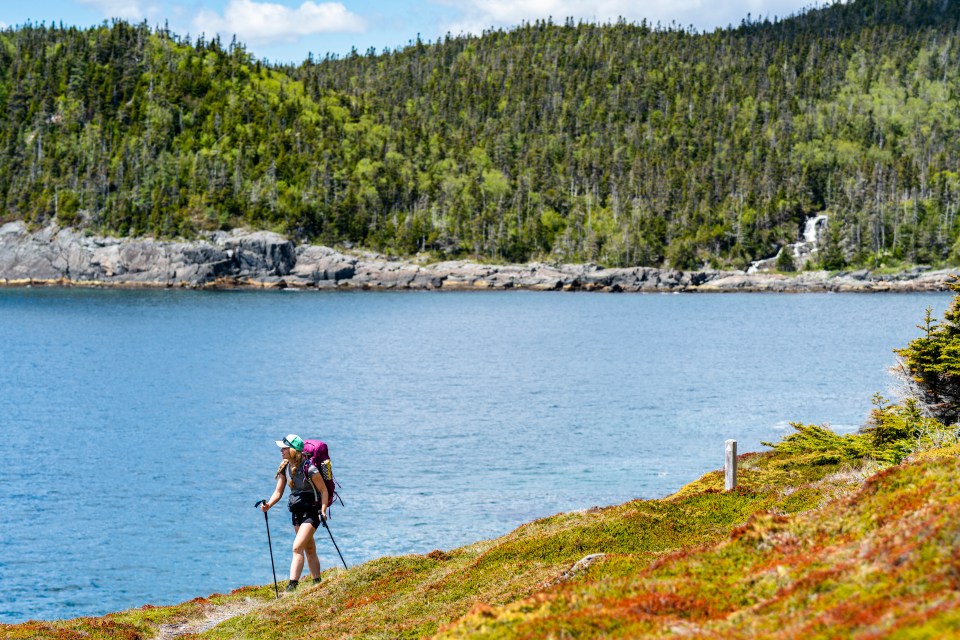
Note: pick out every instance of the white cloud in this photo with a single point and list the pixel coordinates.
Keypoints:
(702, 14)
(267, 22)
(126, 9)
(137, 10)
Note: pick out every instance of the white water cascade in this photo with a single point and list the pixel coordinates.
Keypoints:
(813, 227)
(803, 251)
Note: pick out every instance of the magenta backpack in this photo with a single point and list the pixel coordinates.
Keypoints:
(315, 451)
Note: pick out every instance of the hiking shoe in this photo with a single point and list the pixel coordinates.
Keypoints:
(292, 586)
(316, 581)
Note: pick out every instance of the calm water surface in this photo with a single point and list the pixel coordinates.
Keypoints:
(137, 428)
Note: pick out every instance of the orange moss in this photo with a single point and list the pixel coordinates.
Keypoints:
(110, 629)
(662, 604)
(953, 569)
(758, 525)
(814, 581)
(354, 603)
(851, 614)
(483, 610)
(921, 612)
(38, 631)
(874, 482)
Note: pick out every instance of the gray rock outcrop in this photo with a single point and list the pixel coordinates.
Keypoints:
(54, 256)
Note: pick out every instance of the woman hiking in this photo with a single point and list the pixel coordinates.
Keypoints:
(308, 505)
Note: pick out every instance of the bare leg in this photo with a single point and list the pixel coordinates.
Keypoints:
(313, 561)
(300, 544)
(296, 563)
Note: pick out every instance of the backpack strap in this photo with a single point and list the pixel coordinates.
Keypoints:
(309, 480)
(306, 476)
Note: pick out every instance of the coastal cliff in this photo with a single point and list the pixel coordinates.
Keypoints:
(262, 259)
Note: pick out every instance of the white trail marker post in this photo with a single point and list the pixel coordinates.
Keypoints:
(730, 465)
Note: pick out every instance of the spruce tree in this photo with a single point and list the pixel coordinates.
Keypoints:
(932, 363)
(785, 261)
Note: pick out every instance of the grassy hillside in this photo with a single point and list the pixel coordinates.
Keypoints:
(814, 543)
(625, 144)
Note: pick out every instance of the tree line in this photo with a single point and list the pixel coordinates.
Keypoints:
(619, 143)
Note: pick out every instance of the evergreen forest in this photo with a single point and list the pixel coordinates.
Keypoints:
(621, 144)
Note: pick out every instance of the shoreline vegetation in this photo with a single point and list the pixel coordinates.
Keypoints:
(52, 256)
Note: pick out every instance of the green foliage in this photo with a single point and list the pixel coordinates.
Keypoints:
(892, 432)
(899, 430)
(785, 261)
(611, 143)
(932, 363)
(927, 418)
(818, 445)
(831, 256)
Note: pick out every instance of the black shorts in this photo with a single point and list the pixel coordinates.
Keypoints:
(310, 515)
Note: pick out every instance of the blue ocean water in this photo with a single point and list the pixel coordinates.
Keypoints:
(137, 427)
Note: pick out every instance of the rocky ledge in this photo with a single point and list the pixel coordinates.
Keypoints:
(66, 257)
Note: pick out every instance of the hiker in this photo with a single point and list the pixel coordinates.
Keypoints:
(308, 505)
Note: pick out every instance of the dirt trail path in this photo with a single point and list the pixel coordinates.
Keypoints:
(213, 616)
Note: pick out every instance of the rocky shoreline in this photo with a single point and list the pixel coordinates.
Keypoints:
(262, 259)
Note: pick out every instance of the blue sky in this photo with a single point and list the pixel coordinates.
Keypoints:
(287, 30)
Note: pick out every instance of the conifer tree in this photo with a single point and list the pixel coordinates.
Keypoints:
(785, 261)
(932, 363)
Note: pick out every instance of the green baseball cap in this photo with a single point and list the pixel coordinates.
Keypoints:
(292, 441)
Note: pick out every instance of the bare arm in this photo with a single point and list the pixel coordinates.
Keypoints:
(277, 493)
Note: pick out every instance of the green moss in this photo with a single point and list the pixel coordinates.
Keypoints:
(802, 499)
(775, 575)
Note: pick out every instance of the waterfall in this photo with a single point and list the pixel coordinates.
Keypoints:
(803, 251)
(812, 228)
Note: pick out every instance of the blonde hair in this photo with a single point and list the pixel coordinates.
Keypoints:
(295, 459)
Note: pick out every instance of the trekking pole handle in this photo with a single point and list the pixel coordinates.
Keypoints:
(260, 502)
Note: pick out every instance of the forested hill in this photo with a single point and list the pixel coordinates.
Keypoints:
(622, 144)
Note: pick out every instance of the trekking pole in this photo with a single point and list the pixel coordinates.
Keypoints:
(324, 521)
(276, 589)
